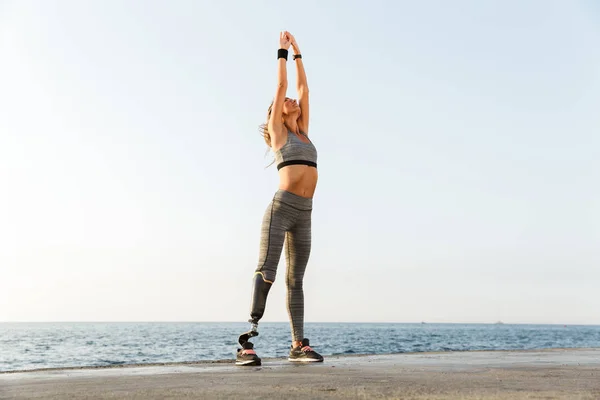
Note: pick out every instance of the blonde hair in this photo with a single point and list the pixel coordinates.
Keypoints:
(264, 128)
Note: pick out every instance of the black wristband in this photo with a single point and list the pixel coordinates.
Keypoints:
(282, 53)
(297, 56)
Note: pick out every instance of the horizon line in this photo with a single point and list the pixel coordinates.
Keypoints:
(287, 322)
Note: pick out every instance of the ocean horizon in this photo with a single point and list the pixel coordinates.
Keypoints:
(63, 344)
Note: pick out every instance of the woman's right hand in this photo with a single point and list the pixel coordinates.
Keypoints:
(284, 41)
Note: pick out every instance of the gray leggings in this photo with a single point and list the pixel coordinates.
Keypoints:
(287, 218)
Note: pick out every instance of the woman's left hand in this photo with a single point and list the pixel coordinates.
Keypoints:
(294, 43)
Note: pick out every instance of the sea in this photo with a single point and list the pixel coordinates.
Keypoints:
(29, 346)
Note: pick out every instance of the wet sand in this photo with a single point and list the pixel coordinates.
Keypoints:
(540, 374)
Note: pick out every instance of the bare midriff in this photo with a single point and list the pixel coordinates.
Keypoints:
(299, 179)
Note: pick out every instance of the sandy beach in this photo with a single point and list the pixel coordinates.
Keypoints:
(540, 374)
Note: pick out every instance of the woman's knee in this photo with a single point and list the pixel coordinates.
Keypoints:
(294, 282)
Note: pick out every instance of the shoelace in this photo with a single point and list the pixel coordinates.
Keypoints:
(247, 351)
(306, 349)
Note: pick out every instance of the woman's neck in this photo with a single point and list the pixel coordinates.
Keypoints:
(291, 123)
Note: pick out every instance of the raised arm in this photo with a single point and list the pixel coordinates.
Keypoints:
(275, 123)
(301, 87)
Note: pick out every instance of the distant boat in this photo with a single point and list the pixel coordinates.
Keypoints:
(499, 323)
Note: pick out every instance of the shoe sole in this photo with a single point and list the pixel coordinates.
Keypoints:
(304, 360)
(247, 363)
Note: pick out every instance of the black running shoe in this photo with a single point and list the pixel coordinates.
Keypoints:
(304, 353)
(246, 356)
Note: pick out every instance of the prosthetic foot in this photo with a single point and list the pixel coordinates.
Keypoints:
(244, 337)
(260, 290)
(246, 356)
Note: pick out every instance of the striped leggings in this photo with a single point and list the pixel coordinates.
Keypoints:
(287, 219)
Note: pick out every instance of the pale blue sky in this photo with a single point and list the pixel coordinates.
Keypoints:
(458, 157)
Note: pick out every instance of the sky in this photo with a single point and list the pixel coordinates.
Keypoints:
(459, 159)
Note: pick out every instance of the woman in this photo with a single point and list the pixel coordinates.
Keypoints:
(288, 216)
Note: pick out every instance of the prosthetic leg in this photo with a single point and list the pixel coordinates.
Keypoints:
(260, 291)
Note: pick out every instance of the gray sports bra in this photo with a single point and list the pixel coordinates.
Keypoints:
(295, 152)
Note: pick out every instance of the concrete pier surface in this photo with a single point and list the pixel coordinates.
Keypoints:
(535, 374)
